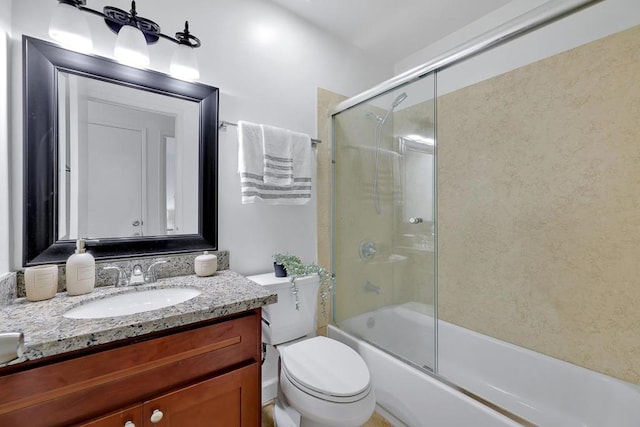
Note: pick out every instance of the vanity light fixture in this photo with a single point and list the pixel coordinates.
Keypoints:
(69, 28)
(184, 63)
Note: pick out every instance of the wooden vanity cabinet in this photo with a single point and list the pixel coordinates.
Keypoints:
(218, 401)
(207, 374)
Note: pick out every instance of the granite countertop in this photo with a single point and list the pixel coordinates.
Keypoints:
(48, 333)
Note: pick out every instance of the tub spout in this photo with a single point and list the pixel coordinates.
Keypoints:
(370, 287)
(11, 346)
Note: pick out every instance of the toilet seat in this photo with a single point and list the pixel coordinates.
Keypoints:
(326, 369)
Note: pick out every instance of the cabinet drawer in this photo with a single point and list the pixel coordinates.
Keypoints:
(229, 400)
(87, 386)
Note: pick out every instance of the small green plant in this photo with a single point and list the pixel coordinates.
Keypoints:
(292, 264)
(296, 268)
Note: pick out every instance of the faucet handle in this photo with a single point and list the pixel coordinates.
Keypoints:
(121, 280)
(150, 275)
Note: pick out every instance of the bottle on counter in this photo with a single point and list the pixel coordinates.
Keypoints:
(80, 271)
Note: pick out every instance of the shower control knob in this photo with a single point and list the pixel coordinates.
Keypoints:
(415, 220)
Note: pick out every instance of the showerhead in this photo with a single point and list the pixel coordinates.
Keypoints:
(399, 100)
(394, 104)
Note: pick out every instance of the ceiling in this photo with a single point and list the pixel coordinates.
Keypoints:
(390, 29)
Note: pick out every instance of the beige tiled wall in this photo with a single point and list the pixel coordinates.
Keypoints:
(539, 206)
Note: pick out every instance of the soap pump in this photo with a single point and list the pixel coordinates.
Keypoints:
(80, 271)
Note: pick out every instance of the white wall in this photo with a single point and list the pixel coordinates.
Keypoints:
(595, 22)
(5, 235)
(267, 64)
(466, 33)
(589, 24)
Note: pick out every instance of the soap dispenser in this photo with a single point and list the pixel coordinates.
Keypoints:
(81, 271)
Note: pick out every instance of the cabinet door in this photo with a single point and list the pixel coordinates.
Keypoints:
(130, 417)
(229, 400)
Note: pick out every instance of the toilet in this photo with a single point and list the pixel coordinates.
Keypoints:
(318, 382)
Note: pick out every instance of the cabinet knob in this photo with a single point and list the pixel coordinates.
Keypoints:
(129, 424)
(156, 416)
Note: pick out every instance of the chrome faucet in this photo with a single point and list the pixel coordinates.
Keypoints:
(150, 276)
(138, 276)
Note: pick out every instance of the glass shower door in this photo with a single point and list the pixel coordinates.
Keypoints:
(384, 243)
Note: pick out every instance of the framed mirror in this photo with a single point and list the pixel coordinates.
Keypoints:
(109, 152)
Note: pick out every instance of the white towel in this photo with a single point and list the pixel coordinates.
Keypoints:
(251, 170)
(250, 154)
(302, 155)
(250, 158)
(278, 163)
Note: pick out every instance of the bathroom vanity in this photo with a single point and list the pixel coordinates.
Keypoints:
(196, 363)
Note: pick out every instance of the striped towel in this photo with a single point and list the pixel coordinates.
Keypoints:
(251, 170)
(278, 161)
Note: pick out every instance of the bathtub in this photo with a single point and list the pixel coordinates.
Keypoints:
(540, 389)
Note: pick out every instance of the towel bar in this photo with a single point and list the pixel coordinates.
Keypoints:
(222, 125)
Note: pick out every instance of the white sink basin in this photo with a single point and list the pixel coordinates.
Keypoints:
(132, 303)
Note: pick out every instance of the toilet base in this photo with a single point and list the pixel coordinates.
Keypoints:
(270, 375)
(282, 418)
(286, 416)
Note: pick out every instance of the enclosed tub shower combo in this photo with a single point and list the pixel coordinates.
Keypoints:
(485, 230)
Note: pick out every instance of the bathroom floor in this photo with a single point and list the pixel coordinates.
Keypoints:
(267, 419)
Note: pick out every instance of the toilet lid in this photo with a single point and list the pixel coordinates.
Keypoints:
(327, 369)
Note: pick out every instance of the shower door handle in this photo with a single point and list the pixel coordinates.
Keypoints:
(415, 220)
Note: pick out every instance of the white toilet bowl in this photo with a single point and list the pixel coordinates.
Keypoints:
(322, 382)
(326, 383)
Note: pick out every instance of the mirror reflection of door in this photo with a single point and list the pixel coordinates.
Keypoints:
(122, 193)
(129, 159)
(125, 174)
(418, 177)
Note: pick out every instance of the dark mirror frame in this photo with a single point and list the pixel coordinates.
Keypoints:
(42, 61)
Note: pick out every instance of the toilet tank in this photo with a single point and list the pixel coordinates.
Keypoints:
(283, 321)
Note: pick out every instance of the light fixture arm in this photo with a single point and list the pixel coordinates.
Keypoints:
(186, 38)
(116, 18)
